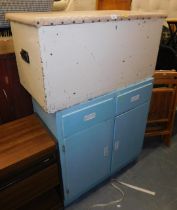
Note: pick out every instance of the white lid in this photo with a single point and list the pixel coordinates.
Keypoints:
(72, 17)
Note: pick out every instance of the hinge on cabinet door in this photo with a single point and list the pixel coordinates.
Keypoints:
(106, 151)
(67, 191)
(63, 148)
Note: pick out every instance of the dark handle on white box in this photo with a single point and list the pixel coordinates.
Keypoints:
(25, 56)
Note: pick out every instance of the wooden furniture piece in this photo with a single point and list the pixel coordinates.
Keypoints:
(163, 105)
(28, 162)
(15, 102)
(113, 4)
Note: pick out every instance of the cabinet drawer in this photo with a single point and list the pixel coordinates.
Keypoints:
(23, 191)
(88, 116)
(133, 98)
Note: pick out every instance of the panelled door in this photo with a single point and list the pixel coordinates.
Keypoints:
(88, 156)
(129, 135)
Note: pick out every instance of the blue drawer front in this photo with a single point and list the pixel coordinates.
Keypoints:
(133, 98)
(87, 116)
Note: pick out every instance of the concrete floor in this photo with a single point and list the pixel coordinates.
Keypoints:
(155, 170)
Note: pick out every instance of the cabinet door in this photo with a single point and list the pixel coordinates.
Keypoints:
(15, 102)
(87, 158)
(129, 135)
(6, 110)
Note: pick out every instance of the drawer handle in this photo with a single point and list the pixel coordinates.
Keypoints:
(135, 98)
(90, 116)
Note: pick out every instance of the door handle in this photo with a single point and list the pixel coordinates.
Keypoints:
(5, 94)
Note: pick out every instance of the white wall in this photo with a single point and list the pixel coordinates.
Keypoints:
(169, 6)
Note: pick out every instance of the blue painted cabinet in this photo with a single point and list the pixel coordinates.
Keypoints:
(87, 133)
(130, 122)
(99, 137)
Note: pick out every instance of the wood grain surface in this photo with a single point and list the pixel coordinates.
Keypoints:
(22, 142)
(30, 188)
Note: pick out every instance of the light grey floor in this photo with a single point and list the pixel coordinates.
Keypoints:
(155, 170)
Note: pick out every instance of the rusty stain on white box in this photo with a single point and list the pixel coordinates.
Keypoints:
(76, 56)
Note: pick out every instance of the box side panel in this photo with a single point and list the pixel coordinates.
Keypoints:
(82, 61)
(27, 50)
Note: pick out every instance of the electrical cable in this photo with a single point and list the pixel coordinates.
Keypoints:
(112, 202)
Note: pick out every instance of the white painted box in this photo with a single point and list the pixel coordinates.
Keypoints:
(70, 57)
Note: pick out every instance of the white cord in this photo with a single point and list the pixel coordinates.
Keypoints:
(122, 193)
(112, 202)
(138, 188)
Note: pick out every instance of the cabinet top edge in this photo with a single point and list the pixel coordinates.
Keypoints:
(77, 17)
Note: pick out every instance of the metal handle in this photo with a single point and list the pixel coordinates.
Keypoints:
(5, 94)
(25, 56)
